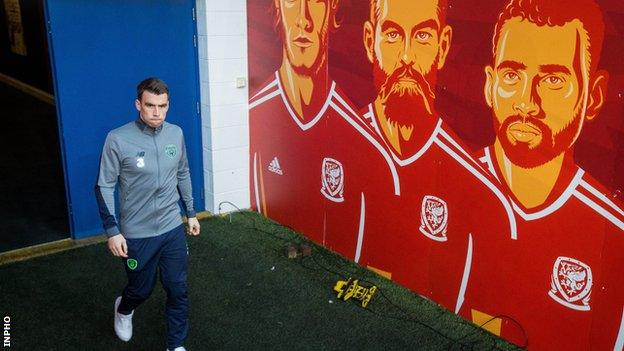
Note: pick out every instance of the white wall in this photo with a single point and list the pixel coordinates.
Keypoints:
(222, 45)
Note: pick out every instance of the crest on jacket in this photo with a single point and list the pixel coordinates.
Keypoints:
(171, 151)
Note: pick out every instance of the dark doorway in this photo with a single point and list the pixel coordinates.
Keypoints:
(33, 207)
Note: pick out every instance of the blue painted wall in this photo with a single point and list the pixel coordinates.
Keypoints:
(100, 50)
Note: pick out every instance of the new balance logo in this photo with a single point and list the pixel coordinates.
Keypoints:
(274, 167)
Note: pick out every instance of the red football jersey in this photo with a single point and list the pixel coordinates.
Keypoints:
(313, 176)
(561, 277)
(446, 202)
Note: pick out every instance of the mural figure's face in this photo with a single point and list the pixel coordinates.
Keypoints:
(538, 89)
(305, 27)
(152, 108)
(406, 46)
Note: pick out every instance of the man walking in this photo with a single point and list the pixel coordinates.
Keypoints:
(147, 157)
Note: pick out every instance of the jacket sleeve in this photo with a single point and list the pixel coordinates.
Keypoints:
(184, 182)
(110, 165)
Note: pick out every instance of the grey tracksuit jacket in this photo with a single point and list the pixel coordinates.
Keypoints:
(150, 167)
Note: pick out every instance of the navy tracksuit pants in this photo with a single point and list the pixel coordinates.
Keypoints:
(167, 253)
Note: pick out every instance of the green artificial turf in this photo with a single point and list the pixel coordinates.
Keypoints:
(245, 294)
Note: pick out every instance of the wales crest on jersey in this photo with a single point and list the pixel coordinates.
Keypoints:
(571, 283)
(332, 179)
(434, 218)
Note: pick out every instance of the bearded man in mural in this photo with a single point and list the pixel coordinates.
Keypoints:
(444, 192)
(561, 277)
(311, 158)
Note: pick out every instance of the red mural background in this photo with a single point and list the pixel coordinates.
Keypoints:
(460, 101)
(600, 148)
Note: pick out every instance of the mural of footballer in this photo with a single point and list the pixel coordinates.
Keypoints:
(562, 275)
(311, 157)
(446, 198)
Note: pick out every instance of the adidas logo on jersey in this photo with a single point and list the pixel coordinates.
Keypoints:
(274, 166)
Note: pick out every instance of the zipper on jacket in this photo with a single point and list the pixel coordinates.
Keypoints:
(158, 182)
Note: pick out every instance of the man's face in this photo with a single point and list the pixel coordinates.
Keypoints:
(152, 108)
(407, 46)
(538, 89)
(305, 26)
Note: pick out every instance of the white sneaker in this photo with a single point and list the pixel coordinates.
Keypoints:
(179, 348)
(123, 323)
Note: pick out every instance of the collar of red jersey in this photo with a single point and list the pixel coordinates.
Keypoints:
(291, 112)
(554, 202)
(402, 160)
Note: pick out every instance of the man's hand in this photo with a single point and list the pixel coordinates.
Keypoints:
(193, 226)
(117, 246)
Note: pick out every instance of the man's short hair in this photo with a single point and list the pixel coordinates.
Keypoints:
(153, 85)
(333, 22)
(558, 13)
(375, 12)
